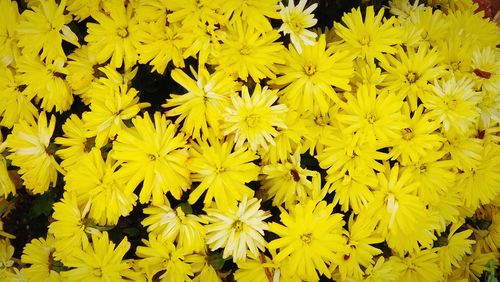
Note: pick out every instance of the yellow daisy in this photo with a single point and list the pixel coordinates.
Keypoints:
(296, 21)
(39, 255)
(75, 142)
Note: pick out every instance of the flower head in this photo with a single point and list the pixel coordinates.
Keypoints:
(296, 21)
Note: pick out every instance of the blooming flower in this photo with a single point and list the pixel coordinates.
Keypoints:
(296, 20)
(238, 230)
(42, 265)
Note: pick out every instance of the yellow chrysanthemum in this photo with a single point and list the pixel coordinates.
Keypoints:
(45, 81)
(82, 69)
(155, 153)
(369, 38)
(383, 271)
(16, 105)
(82, 9)
(114, 36)
(42, 265)
(75, 143)
(222, 172)
(6, 259)
(310, 237)
(94, 179)
(308, 79)
(176, 226)
(200, 109)
(455, 246)
(7, 187)
(238, 229)
(453, 103)
(245, 52)
(253, 119)
(472, 266)
(42, 30)
(108, 111)
(255, 12)
(420, 266)
(8, 24)
(100, 261)
(162, 260)
(486, 70)
(259, 268)
(487, 228)
(29, 147)
(296, 21)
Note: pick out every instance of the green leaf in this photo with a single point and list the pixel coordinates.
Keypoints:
(42, 205)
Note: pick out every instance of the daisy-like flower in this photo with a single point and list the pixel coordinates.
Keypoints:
(473, 28)
(418, 136)
(70, 226)
(43, 29)
(244, 51)
(221, 172)
(6, 259)
(100, 261)
(7, 187)
(383, 270)
(296, 21)
(358, 253)
(253, 119)
(94, 179)
(375, 117)
(162, 260)
(481, 183)
(287, 182)
(486, 70)
(194, 12)
(410, 71)
(108, 80)
(453, 103)
(176, 226)
(369, 38)
(29, 148)
(161, 42)
(8, 24)
(431, 26)
(255, 12)
(308, 78)
(465, 150)
(310, 236)
(419, 266)
(16, 105)
(259, 268)
(39, 254)
(455, 246)
(200, 109)
(201, 263)
(108, 111)
(82, 9)
(155, 153)
(114, 36)
(239, 230)
(75, 143)
(82, 69)
(487, 228)
(472, 266)
(46, 82)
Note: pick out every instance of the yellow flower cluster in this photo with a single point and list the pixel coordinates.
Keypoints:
(369, 151)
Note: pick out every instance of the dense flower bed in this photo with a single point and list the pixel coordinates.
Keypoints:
(209, 140)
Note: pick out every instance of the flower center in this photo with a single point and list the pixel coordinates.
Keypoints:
(411, 77)
(97, 272)
(407, 133)
(310, 69)
(238, 226)
(365, 40)
(252, 120)
(306, 238)
(371, 118)
(122, 32)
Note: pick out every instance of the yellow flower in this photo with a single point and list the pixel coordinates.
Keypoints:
(296, 21)
(43, 29)
(16, 105)
(94, 179)
(8, 24)
(308, 78)
(75, 143)
(420, 266)
(221, 172)
(245, 52)
(6, 259)
(82, 9)
(100, 261)
(453, 103)
(487, 229)
(176, 226)
(194, 12)
(472, 27)
(383, 271)
(253, 119)
(472, 266)
(70, 226)
(46, 82)
(410, 72)
(162, 260)
(310, 237)
(29, 148)
(238, 229)
(465, 150)
(114, 36)
(254, 12)
(7, 187)
(42, 265)
(161, 42)
(486, 70)
(374, 116)
(82, 66)
(287, 182)
(431, 26)
(418, 136)
(154, 153)
(200, 109)
(369, 38)
(259, 268)
(108, 111)
(456, 246)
